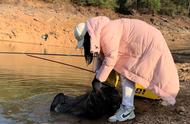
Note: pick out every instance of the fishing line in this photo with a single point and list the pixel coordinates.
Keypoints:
(33, 43)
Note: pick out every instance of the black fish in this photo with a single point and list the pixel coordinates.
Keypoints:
(92, 104)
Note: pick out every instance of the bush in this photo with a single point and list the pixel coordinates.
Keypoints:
(142, 6)
(154, 5)
(166, 7)
(174, 7)
(101, 3)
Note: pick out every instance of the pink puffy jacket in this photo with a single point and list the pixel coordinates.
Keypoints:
(137, 51)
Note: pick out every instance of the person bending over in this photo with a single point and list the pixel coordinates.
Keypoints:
(134, 49)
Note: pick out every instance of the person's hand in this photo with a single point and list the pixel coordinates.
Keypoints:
(97, 85)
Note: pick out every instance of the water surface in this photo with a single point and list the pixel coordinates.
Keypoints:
(28, 85)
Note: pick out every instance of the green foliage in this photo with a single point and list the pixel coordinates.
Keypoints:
(148, 5)
(101, 3)
(167, 7)
(154, 5)
(174, 7)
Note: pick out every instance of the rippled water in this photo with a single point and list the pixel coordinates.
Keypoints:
(28, 85)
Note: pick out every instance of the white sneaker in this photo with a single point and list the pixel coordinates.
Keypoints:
(122, 114)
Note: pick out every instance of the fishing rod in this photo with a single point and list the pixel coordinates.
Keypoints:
(31, 54)
(49, 54)
(60, 63)
(67, 55)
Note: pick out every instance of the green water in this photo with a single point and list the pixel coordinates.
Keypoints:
(28, 85)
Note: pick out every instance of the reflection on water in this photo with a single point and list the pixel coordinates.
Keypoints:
(27, 87)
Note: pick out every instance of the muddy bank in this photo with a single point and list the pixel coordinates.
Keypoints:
(37, 27)
(48, 28)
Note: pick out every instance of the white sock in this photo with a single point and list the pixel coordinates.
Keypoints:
(128, 92)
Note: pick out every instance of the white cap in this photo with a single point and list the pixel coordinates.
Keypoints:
(79, 32)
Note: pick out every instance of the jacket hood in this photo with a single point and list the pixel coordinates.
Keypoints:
(94, 27)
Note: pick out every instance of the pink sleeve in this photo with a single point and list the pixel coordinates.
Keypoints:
(110, 51)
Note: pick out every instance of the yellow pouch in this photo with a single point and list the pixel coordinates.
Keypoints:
(113, 80)
(140, 91)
